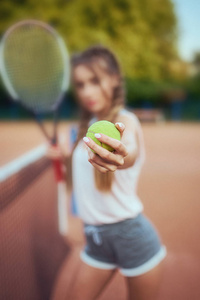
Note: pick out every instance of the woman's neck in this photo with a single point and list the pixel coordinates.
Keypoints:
(102, 114)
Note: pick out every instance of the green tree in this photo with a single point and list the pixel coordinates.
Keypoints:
(196, 61)
(141, 32)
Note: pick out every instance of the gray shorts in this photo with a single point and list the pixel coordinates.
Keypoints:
(132, 245)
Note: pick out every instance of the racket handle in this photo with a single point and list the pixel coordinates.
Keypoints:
(57, 165)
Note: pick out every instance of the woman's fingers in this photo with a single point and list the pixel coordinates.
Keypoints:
(99, 168)
(121, 127)
(96, 160)
(104, 154)
(101, 158)
(54, 152)
(118, 146)
(113, 143)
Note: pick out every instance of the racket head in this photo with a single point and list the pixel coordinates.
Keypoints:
(35, 65)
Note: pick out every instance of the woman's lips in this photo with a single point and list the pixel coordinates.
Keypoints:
(91, 103)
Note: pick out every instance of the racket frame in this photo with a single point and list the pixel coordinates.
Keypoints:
(64, 53)
(57, 165)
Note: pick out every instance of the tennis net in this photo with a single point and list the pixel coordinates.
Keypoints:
(31, 248)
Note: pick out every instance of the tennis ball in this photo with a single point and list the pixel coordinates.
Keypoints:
(106, 128)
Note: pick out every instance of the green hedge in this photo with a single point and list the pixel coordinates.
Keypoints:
(140, 93)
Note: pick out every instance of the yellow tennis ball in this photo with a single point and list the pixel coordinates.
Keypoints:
(104, 127)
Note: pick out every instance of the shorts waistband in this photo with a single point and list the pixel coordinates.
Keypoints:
(104, 227)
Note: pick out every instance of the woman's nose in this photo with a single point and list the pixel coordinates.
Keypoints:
(88, 90)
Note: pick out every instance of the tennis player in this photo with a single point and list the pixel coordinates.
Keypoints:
(118, 235)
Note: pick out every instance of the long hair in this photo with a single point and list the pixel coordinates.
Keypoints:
(103, 58)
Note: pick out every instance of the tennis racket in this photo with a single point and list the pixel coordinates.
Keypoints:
(34, 65)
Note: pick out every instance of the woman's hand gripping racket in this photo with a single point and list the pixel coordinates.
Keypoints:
(35, 70)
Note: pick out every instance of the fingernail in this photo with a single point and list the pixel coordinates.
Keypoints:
(86, 140)
(97, 135)
(120, 125)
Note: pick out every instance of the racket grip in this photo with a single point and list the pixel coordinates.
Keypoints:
(58, 171)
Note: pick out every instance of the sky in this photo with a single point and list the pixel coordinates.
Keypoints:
(188, 17)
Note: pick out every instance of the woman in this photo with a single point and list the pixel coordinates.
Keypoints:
(118, 235)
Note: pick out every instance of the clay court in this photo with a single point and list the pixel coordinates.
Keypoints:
(34, 256)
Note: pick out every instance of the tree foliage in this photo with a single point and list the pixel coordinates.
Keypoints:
(141, 32)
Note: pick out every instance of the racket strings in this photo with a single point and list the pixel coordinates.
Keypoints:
(35, 66)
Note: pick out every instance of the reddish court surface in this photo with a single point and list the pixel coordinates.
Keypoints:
(169, 188)
(17, 138)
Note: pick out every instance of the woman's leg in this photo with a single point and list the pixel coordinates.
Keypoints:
(146, 286)
(89, 282)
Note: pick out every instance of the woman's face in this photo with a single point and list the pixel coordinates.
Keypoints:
(94, 89)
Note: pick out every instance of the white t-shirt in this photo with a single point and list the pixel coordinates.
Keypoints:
(96, 207)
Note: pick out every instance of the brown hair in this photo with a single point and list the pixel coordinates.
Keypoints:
(105, 59)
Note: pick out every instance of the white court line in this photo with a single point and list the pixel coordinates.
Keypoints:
(62, 209)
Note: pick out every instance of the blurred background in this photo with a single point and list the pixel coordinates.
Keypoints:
(158, 45)
(156, 42)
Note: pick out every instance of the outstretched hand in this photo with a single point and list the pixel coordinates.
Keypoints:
(54, 152)
(104, 160)
(59, 152)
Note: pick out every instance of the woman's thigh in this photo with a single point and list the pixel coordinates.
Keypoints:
(89, 282)
(146, 286)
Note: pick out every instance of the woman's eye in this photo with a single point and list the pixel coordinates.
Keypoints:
(95, 80)
(78, 85)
